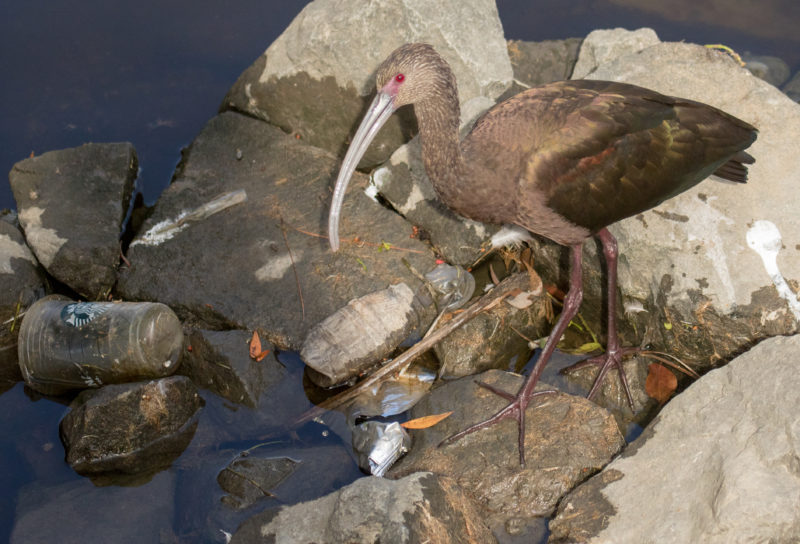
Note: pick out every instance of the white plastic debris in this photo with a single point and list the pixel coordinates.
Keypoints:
(455, 284)
(765, 239)
(168, 228)
(378, 445)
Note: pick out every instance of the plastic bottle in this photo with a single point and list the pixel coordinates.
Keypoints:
(65, 345)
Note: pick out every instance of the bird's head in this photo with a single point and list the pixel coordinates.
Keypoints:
(411, 74)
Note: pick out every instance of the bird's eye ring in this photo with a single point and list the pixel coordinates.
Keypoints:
(399, 78)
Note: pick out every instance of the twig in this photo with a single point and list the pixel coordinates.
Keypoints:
(384, 245)
(294, 268)
(486, 302)
(661, 357)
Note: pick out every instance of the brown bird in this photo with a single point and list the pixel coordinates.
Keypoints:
(563, 160)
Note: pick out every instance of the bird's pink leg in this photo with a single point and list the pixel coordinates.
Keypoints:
(614, 353)
(516, 409)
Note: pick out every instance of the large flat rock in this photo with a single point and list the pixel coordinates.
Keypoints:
(317, 78)
(706, 274)
(265, 263)
(422, 507)
(719, 463)
(567, 438)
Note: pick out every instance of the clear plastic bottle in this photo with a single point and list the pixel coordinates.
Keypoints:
(65, 345)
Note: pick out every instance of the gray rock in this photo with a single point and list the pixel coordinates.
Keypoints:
(707, 269)
(536, 63)
(240, 268)
(603, 46)
(719, 463)
(318, 76)
(76, 512)
(496, 338)
(773, 70)
(567, 439)
(71, 206)
(220, 362)
(130, 428)
(20, 286)
(361, 333)
(422, 507)
(20, 273)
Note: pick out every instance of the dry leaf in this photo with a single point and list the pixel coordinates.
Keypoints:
(255, 348)
(588, 347)
(555, 292)
(660, 383)
(425, 421)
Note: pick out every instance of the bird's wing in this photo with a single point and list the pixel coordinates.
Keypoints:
(595, 152)
(618, 150)
(575, 145)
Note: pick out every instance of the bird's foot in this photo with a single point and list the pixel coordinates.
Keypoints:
(611, 358)
(515, 409)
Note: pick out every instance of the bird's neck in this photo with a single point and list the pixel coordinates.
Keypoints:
(438, 120)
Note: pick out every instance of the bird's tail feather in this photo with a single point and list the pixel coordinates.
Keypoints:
(735, 169)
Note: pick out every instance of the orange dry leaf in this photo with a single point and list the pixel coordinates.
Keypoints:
(425, 421)
(255, 348)
(660, 383)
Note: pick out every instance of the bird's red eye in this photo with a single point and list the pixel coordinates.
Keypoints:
(399, 78)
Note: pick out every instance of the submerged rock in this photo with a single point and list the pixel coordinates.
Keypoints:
(422, 507)
(72, 203)
(792, 87)
(235, 484)
(719, 463)
(220, 362)
(567, 439)
(773, 70)
(130, 428)
(78, 511)
(247, 480)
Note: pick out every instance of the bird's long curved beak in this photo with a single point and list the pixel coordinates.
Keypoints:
(379, 112)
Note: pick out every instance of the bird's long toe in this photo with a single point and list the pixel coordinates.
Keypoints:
(606, 361)
(514, 410)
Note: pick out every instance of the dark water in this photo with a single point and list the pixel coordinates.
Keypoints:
(153, 73)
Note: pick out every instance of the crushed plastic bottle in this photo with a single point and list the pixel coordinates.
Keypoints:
(378, 445)
(455, 285)
(66, 345)
(394, 394)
